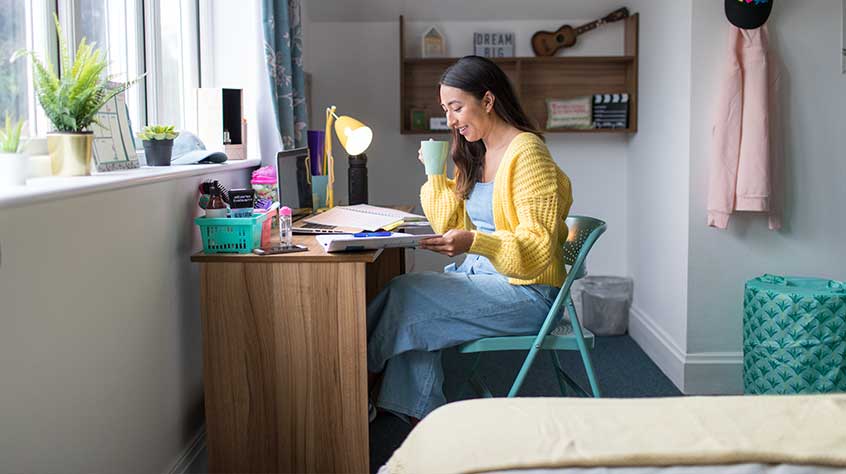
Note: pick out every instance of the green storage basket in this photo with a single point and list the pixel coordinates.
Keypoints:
(233, 234)
(794, 335)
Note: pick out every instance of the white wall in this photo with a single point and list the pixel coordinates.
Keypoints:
(807, 36)
(657, 177)
(101, 345)
(355, 66)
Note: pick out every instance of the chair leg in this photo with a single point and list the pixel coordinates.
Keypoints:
(580, 341)
(556, 364)
(471, 377)
(527, 364)
(480, 387)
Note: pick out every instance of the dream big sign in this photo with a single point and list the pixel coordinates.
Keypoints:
(493, 45)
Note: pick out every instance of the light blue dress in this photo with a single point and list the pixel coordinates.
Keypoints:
(418, 314)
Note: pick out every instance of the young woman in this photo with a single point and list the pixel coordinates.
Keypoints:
(505, 209)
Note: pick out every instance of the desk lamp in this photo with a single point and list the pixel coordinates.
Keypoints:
(355, 137)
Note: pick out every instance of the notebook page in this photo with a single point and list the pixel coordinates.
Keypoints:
(384, 211)
(344, 217)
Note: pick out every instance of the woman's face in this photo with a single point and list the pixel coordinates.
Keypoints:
(466, 113)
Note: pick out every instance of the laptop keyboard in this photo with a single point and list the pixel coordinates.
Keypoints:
(310, 225)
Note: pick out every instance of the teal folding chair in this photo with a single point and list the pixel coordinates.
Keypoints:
(567, 336)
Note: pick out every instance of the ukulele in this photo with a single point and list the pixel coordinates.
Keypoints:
(547, 43)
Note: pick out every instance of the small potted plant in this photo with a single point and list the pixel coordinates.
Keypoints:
(158, 144)
(71, 100)
(13, 163)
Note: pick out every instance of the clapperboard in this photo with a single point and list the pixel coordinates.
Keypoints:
(611, 110)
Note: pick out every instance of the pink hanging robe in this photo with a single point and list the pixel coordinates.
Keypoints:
(744, 162)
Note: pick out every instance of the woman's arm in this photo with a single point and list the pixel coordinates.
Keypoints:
(541, 196)
(442, 207)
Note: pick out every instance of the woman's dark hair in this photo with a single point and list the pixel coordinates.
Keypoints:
(477, 75)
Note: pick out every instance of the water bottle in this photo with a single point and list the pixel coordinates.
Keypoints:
(285, 227)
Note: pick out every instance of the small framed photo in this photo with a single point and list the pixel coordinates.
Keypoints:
(418, 119)
(438, 123)
(433, 42)
(493, 45)
(114, 147)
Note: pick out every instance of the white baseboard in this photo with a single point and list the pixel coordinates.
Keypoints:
(194, 448)
(714, 373)
(658, 345)
(705, 373)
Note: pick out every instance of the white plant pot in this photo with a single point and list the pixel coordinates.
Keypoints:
(14, 169)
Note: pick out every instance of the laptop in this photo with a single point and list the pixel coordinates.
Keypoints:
(294, 189)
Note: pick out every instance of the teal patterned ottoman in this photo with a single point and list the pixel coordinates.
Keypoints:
(794, 335)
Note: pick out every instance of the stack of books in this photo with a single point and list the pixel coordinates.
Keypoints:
(611, 111)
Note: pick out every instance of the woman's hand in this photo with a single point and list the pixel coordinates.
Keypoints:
(454, 242)
(420, 155)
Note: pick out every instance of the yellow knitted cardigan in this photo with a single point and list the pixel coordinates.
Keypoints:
(531, 199)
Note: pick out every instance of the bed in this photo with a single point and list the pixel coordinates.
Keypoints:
(682, 435)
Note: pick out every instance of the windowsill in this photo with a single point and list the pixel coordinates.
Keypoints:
(52, 188)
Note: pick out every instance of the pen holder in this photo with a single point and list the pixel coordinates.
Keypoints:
(319, 191)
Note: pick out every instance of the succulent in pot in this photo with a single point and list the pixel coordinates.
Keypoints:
(158, 144)
(14, 166)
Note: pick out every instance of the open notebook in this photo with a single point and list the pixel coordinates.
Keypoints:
(351, 219)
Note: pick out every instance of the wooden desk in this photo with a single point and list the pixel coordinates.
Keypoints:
(284, 357)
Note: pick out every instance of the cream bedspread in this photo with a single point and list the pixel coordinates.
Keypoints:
(499, 434)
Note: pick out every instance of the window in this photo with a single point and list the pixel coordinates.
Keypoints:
(13, 76)
(174, 51)
(117, 27)
(23, 26)
(159, 37)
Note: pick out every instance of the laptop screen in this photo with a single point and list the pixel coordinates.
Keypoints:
(292, 173)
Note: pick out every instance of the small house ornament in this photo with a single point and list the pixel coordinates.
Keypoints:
(434, 44)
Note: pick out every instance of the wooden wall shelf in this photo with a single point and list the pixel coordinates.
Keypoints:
(535, 79)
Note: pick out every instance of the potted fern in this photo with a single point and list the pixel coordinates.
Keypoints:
(70, 101)
(158, 144)
(13, 163)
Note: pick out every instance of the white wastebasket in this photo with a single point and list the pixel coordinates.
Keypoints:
(603, 303)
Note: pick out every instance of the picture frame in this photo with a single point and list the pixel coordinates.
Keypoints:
(433, 43)
(438, 123)
(114, 146)
(418, 119)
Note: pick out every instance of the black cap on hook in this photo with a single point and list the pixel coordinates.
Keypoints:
(748, 14)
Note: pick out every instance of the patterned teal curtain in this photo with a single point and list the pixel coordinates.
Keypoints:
(283, 48)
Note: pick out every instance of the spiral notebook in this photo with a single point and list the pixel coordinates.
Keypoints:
(361, 217)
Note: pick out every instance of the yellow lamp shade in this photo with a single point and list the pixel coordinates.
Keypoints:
(354, 136)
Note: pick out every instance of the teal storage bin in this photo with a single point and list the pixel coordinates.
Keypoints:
(794, 335)
(234, 234)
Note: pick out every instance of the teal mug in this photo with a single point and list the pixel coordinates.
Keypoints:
(434, 156)
(319, 186)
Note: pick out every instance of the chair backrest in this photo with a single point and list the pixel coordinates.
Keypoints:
(583, 234)
(580, 229)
